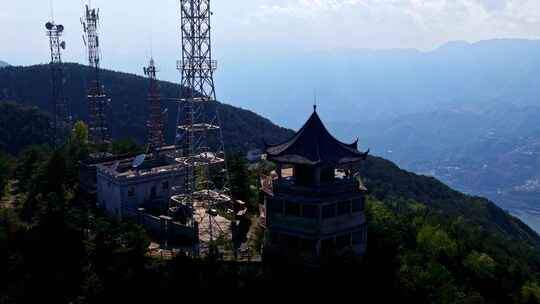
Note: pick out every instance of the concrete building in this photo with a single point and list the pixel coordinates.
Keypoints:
(123, 188)
(319, 209)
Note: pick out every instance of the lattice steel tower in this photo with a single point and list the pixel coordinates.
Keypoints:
(198, 132)
(60, 107)
(155, 119)
(98, 102)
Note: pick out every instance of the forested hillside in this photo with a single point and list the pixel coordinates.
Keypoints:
(387, 182)
(21, 126)
(242, 129)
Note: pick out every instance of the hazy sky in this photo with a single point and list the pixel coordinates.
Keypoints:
(128, 25)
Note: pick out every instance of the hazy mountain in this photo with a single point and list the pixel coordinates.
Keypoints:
(491, 150)
(3, 64)
(359, 85)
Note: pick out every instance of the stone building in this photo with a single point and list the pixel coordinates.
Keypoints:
(318, 209)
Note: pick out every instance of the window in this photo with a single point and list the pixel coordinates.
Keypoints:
(275, 206)
(358, 205)
(343, 241)
(131, 192)
(344, 208)
(327, 247)
(165, 186)
(292, 209)
(275, 237)
(308, 246)
(328, 174)
(310, 211)
(329, 211)
(290, 242)
(304, 175)
(357, 237)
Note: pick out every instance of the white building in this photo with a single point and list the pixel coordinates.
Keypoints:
(122, 188)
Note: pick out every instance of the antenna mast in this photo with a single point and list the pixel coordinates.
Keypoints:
(155, 121)
(199, 136)
(62, 117)
(98, 102)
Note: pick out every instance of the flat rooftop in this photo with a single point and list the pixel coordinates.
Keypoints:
(124, 168)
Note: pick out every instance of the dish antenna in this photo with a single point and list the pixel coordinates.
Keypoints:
(60, 28)
(139, 160)
(63, 45)
(115, 166)
(49, 25)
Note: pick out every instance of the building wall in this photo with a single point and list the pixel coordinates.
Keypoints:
(122, 196)
(337, 223)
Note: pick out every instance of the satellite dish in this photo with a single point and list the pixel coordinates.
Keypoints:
(60, 28)
(139, 160)
(63, 45)
(49, 25)
(115, 166)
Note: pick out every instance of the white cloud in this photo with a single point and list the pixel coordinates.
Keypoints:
(395, 23)
(127, 25)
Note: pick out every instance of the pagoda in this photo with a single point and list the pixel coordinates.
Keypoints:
(314, 206)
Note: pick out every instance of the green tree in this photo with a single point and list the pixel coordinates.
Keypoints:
(27, 165)
(126, 146)
(481, 264)
(436, 242)
(5, 172)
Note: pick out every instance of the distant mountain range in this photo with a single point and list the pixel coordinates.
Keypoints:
(3, 64)
(491, 150)
(359, 85)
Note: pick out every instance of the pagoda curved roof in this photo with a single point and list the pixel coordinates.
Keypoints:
(314, 145)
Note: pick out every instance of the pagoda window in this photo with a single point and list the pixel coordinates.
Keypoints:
(329, 211)
(328, 175)
(290, 242)
(308, 246)
(358, 205)
(358, 237)
(292, 209)
(343, 241)
(344, 208)
(328, 246)
(276, 206)
(304, 175)
(310, 211)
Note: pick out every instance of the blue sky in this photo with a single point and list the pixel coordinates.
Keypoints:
(128, 26)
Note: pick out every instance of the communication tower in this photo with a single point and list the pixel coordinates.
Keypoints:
(60, 107)
(98, 102)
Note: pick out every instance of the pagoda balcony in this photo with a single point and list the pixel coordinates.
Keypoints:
(316, 227)
(338, 186)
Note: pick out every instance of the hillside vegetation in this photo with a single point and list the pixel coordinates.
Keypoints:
(242, 129)
(56, 247)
